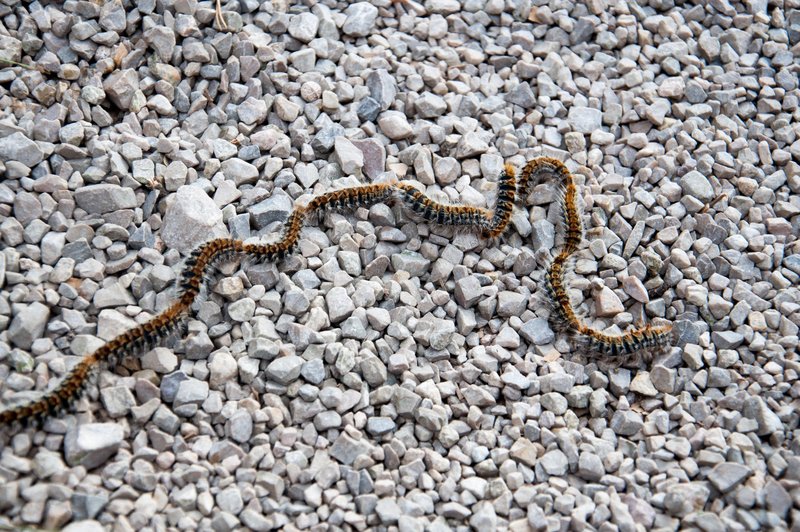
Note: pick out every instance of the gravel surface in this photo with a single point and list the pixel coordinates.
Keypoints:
(391, 373)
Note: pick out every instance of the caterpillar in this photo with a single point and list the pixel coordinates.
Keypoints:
(564, 316)
(200, 263)
(489, 223)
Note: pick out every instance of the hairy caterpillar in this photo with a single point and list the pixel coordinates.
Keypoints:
(564, 315)
(490, 223)
(203, 259)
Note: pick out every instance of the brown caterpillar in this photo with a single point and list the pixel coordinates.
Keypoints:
(564, 315)
(490, 223)
(431, 211)
(129, 343)
(202, 260)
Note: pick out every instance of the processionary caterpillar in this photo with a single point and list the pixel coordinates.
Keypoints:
(199, 265)
(564, 316)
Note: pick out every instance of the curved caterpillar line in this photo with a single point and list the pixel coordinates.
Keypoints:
(202, 260)
(649, 337)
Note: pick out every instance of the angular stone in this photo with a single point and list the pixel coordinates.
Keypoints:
(10, 48)
(524, 451)
(285, 370)
(350, 158)
(191, 219)
(555, 463)
(104, 198)
(626, 422)
(18, 147)
(346, 449)
(522, 95)
(361, 17)
(303, 27)
(607, 304)
(394, 125)
(585, 119)
(120, 86)
(468, 291)
(28, 325)
(537, 332)
(275, 208)
(728, 475)
(698, 186)
(191, 391)
(91, 444)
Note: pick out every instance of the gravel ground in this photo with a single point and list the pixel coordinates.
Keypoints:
(394, 374)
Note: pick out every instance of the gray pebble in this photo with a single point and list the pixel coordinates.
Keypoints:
(361, 17)
(285, 370)
(92, 444)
